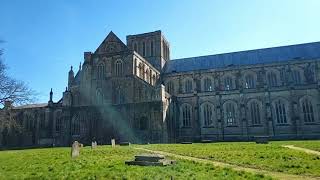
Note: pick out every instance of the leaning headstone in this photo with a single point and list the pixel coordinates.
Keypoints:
(75, 149)
(113, 143)
(93, 144)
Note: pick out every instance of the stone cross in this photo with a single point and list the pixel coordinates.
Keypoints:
(75, 149)
(113, 143)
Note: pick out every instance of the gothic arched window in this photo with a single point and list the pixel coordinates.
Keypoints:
(228, 84)
(143, 123)
(99, 96)
(118, 96)
(100, 71)
(280, 112)
(147, 78)
(250, 82)
(186, 115)
(118, 68)
(207, 114)
(141, 70)
(207, 84)
(58, 122)
(230, 113)
(255, 115)
(307, 110)
(272, 79)
(188, 86)
(76, 124)
(170, 87)
(153, 79)
(296, 77)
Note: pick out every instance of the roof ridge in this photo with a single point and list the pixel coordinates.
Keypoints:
(250, 57)
(250, 50)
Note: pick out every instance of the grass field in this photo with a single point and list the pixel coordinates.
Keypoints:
(102, 163)
(313, 145)
(271, 157)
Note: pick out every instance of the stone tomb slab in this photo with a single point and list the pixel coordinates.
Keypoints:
(150, 160)
(149, 157)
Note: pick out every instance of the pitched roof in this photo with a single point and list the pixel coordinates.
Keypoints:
(114, 42)
(251, 57)
(27, 106)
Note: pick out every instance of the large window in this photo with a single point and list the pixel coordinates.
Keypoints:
(141, 69)
(228, 85)
(250, 83)
(76, 124)
(255, 113)
(101, 71)
(272, 79)
(118, 68)
(153, 79)
(307, 110)
(280, 112)
(207, 115)
(186, 115)
(118, 96)
(170, 87)
(99, 96)
(207, 84)
(147, 76)
(296, 77)
(188, 86)
(230, 114)
(58, 122)
(143, 123)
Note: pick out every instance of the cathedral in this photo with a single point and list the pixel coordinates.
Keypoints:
(135, 93)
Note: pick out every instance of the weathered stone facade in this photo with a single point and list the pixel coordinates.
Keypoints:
(135, 93)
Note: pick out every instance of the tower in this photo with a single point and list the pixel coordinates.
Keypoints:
(153, 46)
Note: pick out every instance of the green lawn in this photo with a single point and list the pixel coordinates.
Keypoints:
(313, 145)
(270, 156)
(102, 163)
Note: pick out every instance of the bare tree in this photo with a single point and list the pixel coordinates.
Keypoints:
(11, 89)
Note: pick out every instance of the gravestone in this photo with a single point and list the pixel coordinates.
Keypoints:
(150, 160)
(93, 144)
(75, 149)
(113, 143)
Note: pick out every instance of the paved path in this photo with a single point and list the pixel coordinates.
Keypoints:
(276, 175)
(309, 151)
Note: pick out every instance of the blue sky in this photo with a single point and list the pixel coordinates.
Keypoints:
(44, 38)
